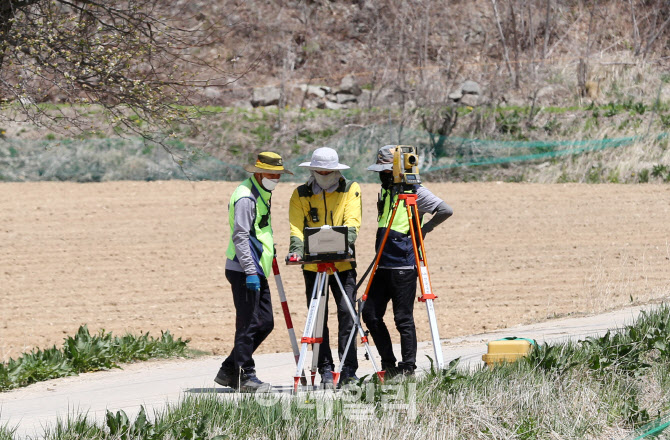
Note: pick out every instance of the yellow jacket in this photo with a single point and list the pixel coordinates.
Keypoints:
(341, 207)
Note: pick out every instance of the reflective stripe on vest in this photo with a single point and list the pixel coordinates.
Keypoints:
(261, 242)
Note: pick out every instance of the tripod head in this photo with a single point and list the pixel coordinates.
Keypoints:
(405, 165)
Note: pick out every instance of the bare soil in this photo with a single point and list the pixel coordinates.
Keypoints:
(145, 257)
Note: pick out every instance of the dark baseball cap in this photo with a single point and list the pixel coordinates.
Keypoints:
(384, 159)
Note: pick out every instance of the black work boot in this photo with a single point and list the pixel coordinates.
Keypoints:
(227, 378)
(403, 372)
(326, 377)
(348, 376)
(391, 370)
(406, 369)
(249, 383)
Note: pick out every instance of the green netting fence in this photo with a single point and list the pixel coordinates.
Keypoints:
(110, 159)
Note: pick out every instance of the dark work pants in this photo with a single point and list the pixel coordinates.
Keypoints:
(399, 287)
(344, 319)
(253, 321)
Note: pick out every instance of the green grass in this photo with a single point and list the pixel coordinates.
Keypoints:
(7, 432)
(84, 353)
(598, 388)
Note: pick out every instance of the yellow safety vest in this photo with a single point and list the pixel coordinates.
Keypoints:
(261, 242)
(341, 207)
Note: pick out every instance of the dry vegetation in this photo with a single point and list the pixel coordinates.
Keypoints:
(547, 70)
(421, 49)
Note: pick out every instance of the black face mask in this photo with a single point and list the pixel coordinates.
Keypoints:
(386, 179)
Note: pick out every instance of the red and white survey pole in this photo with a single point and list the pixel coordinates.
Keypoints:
(287, 314)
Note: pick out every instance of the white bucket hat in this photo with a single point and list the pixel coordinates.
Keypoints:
(326, 159)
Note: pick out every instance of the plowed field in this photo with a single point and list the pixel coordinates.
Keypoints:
(138, 257)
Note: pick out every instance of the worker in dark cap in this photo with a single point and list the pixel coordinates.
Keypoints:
(396, 276)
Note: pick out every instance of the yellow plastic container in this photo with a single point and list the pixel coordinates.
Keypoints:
(507, 350)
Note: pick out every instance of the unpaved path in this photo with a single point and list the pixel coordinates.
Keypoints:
(138, 256)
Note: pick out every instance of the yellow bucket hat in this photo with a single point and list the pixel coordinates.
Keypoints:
(268, 162)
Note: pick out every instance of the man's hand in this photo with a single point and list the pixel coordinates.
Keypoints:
(425, 230)
(293, 257)
(253, 282)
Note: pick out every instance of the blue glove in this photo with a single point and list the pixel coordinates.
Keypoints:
(253, 282)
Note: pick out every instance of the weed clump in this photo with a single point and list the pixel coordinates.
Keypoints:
(84, 353)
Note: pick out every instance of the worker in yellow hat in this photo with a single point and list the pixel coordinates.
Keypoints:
(249, 263)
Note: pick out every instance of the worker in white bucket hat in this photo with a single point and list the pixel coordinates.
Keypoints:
(328, 198)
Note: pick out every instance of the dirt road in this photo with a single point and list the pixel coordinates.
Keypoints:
(150, 256)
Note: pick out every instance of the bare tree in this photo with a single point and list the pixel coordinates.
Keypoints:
(657, 25)
(502, 38)
(439, 125)
(126, 56)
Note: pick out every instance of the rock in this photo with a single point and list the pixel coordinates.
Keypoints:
(455, 96)
(471, 100)
(343, 98)
(246, 105)
(313, 91)
(334, 106)
(471, 88)
(26, 101)
(213, 94)
(349, 86)
(265, 96)
(364, 99)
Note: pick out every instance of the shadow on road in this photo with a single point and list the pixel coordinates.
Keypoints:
(282, 389)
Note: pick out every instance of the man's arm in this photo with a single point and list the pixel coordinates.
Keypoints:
(427, 202)
(296, 218)
(353, 212)
(245, 214)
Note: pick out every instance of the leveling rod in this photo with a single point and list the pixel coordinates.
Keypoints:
(287, 315)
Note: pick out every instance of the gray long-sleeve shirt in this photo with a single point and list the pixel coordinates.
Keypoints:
(429, 203)
(245, 216)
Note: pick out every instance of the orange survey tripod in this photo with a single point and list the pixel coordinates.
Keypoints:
(427, 296)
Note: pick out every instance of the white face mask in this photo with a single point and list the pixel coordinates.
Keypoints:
(327, 181)
(269, 184)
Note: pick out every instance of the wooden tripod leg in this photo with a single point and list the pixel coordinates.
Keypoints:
(364, 298)
(380, 250)
(427, 295)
